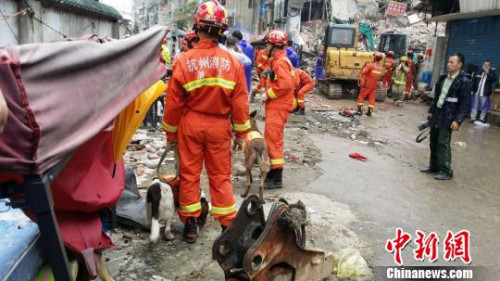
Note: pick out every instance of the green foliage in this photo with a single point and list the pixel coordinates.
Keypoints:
(135, 30)
(185, 14)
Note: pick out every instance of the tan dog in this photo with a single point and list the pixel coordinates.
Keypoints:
(255, 153)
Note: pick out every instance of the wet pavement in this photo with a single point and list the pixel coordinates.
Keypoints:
(388, 191)
(353, 204)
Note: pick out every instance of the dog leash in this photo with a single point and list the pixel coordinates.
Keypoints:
(162, 158)
(423, 135)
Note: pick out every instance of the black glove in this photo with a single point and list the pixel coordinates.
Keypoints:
(268, 73)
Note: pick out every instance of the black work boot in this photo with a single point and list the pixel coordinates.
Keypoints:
(370, 111)
(300, 112)
(190, 233)
(360, 110)
(269, 177)
(276, 181)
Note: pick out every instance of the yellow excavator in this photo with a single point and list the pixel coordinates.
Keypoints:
(343, 61)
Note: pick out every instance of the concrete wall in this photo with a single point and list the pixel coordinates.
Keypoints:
(8, 36)
(240, 11)
(61, 21)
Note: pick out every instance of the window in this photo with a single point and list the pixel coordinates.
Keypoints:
(341, 37)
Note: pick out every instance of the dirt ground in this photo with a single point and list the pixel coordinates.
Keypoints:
(352, 205)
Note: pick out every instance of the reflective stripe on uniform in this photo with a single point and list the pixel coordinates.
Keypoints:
(376, 72)
(264, 56)
(209, 81)
(168, 128)
(271, 93)
(277, 161)
(300, 101)
(242, 127)
(223, 210)
(193, 208)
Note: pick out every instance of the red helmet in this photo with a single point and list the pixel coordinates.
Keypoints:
(191, 35)
(378, 56)
(390, 54)
(277, 37)
(164, 40)
(184, 43)
(211, 14)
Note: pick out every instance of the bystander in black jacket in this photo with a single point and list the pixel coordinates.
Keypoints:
(457, 103)
(489, 85)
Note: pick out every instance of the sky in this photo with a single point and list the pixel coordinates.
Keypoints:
(123, 6)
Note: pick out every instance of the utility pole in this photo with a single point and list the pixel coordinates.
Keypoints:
(310, 9)
(255, 17)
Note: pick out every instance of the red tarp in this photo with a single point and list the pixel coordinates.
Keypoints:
(62, 94)
(63, 98)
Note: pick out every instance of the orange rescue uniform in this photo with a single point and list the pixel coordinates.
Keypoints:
(279, 101)
(389, 65)
(369, 83)
(409, 75)
(207, 85)
(262, 62)
(306, 83)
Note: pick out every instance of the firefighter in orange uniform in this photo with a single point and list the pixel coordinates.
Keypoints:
(191, 39)
(370, 75)
(207, 86)
(305, 85)
(389, 65)
(187, 44)
(262, 62)
(409, 76)
(280, 86)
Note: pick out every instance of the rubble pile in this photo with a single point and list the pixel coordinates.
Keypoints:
(143, 155)
(313, 33)
(324, 118)
(418, 32)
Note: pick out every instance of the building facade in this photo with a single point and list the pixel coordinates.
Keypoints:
(52, 20)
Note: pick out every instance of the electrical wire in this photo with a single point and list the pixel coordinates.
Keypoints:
(8, 25)
(15, 14)
(57, 31)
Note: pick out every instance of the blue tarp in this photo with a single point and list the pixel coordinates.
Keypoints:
(21, 256)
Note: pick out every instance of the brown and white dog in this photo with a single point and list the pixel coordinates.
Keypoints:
(161, 203)
(160, 207)
(255, 150)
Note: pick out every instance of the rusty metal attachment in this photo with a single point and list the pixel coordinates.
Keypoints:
(255, 249)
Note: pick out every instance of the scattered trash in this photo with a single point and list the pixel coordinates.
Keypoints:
(460, 144)
(358, 156)
(352, 265)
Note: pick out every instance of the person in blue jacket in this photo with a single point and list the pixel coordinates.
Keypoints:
(319, 66)
(248, 50)
(292, 55)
